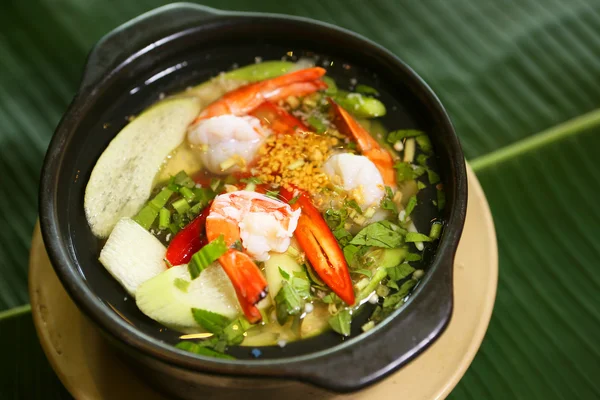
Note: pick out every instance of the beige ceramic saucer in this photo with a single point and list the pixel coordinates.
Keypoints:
(90, 369)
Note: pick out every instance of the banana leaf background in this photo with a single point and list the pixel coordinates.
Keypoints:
(521, 81)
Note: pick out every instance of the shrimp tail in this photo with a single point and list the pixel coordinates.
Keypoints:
(249, 283)
(367, 145)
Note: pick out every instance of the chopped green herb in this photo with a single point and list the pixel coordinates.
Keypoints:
(354, 205)
(204, 195)
(181, 206)
(421, 185)
(436, 230)
(387, 203)
(187, 193)
(432, 176)
(412, 237)
(331, 85)
(288, 302)
(391, 284)
(397, 299)
(410, 206)
(164, 218)
(206, 256)
(366, 272)
(182, 179)
(441, 199)
(302, 286)
(400, 271)
(413, 257)
(148, 214)
(211, 321)
(368, 326)
(422, 160)
(382, 291)
(233, 333)
(251, 179)
(366, 291)
(341, 322)
(407, 172)
(316, 123)
(400, 134)
(284, 274)
(364, 89)
(330, 298)
(424, 143)
(272, 194)
(181, 284)
(202, 350)
(380, 234)
(216, 185)
(350, 252)
(336, 218)
(293, 200)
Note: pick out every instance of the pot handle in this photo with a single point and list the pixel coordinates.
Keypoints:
(388, 347)
(139, 34)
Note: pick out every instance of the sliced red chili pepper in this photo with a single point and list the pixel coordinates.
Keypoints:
(321, 247)
(189, 240)
(277, 118)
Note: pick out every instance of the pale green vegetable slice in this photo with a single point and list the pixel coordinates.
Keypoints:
(274, 278)
(315, 322)
(169, 301)
(122, 179)
(132, 255)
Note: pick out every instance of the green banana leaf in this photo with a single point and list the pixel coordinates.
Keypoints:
(520, 81)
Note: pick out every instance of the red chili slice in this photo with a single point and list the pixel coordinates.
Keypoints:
(321, 247)
(189, 240)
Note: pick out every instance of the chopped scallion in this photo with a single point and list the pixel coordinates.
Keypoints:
(412, 237)
(436, 230)
(211, 321)
(182, 179)
(187, 193)
(206, 256)
(181, 206)
(164, 218)
(395, 136)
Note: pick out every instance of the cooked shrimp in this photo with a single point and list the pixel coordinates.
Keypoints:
(245, 99)
(262, 224)
(366, 144)
(357, 175)
(227, 142)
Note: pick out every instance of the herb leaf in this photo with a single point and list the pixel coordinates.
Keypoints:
(412, 237)
(341, 322)
(397, 299)
(288, 302)
(211, 321)
(202, 350)
(284, 274)
(400, 134)
(400, 271)
(380, 234)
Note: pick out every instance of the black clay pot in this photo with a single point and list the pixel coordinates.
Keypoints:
(180, 45)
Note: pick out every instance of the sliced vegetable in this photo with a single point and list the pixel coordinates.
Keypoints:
(150, 211)
(162, 299)
(412, 237)
(274, 266)
(132, 255)
(122, 178)
(321, 248)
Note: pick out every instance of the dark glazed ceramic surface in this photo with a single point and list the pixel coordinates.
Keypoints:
(181, 45)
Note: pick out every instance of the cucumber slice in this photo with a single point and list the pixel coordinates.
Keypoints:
(121, 180)
(132, 255)
(315, 322)
(169, 300)
(279, 260)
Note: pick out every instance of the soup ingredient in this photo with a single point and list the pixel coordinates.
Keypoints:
(274, 265)
(262, 224)
(122, 179)
(189, 240)
(358, 176)
(132, 255)
(278, 119)
(295, 160)
(169, 297)
(247, 98)
(359, 105)
(321, 248)
(260, 71)
(367, 145)
(227, 142)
